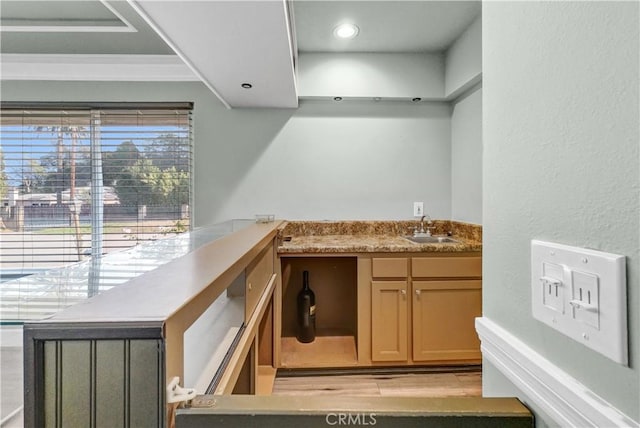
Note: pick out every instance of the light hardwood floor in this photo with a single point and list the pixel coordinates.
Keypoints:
(10, 387)
(453, 384)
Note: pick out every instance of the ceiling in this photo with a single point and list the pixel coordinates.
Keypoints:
(76, 27)
(385, 26)
(226, 43)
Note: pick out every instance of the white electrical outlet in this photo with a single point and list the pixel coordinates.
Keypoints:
(418, 209)
(582, 294)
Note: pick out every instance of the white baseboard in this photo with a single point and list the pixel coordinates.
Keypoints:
(560, 396)
(11, 336)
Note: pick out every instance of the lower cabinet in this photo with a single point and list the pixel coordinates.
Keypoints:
(443, 318)
(389, 309)
(423, 309)
(382, 310)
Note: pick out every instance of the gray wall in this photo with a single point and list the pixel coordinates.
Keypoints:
(463, 59)
(561, 163)
(466, 158)
(325, 160)
(368, 75)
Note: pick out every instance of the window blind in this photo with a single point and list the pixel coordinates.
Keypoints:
(82, 181)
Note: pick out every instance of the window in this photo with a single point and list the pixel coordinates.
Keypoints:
(78, 181)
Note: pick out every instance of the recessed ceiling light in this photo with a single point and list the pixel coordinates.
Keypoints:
(247, 85)
(346, 31)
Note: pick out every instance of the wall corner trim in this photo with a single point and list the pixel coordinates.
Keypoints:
(552, 390)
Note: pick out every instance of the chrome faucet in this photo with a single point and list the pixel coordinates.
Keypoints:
(424, 231)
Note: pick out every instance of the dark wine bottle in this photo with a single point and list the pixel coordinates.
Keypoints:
(306, 311)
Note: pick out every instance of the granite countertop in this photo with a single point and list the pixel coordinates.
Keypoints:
(373, 237)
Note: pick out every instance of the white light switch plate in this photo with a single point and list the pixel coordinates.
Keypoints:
(581, 293)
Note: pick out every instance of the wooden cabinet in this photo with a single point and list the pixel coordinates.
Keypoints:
(444, 313)
(389, 309)
(423, 309)
(258, 274)
(383, 309)
(334, 282)
(389, 320)
(446, 299)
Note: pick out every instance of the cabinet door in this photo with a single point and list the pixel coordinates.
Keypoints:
(258, 275)
(444, 315)
(389, 321)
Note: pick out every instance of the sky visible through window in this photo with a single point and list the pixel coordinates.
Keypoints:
(19, 145)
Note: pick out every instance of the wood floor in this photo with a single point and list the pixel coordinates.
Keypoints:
(453, 384)
(10, 387)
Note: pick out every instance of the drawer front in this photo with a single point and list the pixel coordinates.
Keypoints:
(390, 267)
(446, 267)
(259, 273)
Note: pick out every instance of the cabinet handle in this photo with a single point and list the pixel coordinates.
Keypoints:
(418, 293)
(403, 292)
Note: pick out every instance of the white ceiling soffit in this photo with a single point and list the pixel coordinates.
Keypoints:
(228, 43)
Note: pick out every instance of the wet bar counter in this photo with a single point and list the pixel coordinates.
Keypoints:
(381, 299)
(374, 237)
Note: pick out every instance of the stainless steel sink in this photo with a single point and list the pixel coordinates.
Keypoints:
(431, 239)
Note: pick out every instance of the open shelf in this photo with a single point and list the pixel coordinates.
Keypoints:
(332, 349)
(334, 282)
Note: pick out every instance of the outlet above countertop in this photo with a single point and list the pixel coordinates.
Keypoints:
(304, 237)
